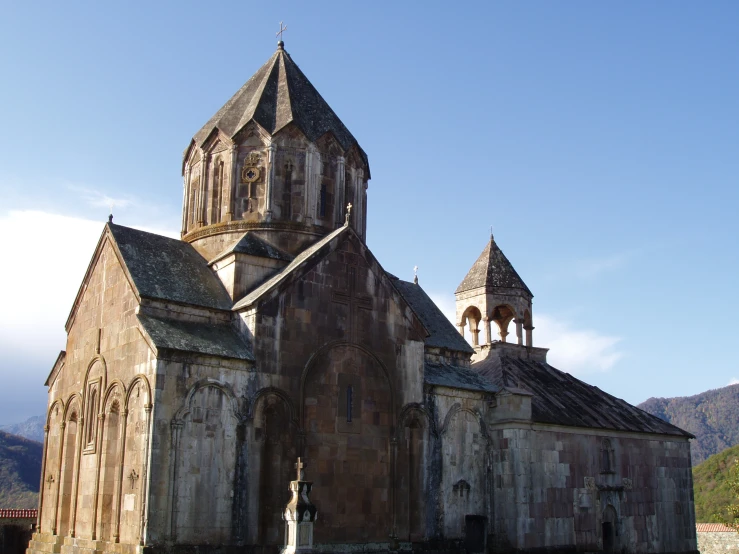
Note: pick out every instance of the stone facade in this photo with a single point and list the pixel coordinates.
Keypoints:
(198, 370)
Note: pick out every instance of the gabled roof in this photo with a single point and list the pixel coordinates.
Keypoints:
(492, 269)
(561, 399)
(220, 340)
(253, 245)
(276, 95)
(302, 261)
(168, 269)
(442, 333)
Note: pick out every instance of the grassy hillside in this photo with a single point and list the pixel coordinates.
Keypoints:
(711, 416)
(20, 471)
(710, 479)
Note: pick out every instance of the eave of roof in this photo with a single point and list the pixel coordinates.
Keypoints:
(456, 377)
(219, 340)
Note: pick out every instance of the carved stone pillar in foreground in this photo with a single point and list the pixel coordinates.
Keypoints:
(299, 515)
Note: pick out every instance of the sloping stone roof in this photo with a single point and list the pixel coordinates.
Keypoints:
(201, 338)
(252, 245)
(492, 269)
(276, 95)
(442, 333)
(168, 269)
(457, 377)
(561, 399)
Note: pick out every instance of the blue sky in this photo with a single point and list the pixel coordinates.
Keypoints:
(598, 139)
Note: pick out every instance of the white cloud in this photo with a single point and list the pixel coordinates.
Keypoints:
(574, 350)
(44, 257)
(734, 381)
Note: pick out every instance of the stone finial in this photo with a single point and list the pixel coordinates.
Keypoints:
(348, 213)
(299, 515)
(110, 216)
(415, 274)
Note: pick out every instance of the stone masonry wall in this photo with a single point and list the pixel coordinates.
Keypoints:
(98, 417)
(561, 490)
(720, 542)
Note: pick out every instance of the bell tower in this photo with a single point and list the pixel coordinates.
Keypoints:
(494, 300)
(275, 160)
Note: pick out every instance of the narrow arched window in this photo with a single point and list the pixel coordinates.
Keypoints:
(322, 201)
(606, 457)
(91, 418)
(349, 403)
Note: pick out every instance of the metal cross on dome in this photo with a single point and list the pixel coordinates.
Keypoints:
(283, 28)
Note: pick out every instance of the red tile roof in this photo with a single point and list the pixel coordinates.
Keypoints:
(18, 513)
(713, 528)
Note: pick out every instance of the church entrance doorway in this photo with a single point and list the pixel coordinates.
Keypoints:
(609, 530)
(474, 534)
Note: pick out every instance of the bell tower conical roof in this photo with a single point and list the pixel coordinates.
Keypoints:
(492, 269)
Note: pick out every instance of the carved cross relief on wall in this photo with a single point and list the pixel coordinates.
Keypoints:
(355, 301)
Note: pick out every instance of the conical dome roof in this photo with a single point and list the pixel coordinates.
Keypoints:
(492, 269)
(276, 95)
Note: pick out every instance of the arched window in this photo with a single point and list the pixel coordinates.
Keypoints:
(217, 191)
(91, 417)
(606, 457)
(503, 315)
(472, 316)
(322, 201)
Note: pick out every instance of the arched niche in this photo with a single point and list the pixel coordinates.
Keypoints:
(130, 503)
(275, 432)
(414, 430)
(205, 465)
(464, 459)
(68, 469)
(347, 413)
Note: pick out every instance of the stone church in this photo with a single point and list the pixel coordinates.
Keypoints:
(197, 371)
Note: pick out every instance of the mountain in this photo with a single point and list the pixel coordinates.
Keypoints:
(711, 416)
(32, 428)
(710, 484)
(20, 471)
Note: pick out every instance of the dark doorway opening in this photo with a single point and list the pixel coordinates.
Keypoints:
(608, 536)
(474, 533)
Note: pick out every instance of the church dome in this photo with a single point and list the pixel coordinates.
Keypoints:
(275, 158)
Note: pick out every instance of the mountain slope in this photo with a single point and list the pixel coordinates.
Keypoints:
(32, 428)
(710, 484)
(20, 471)
(711, 416)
